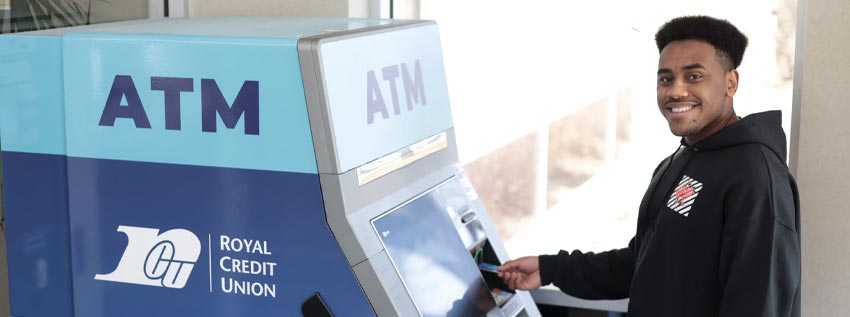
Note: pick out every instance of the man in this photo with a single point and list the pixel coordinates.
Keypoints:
(718, 229)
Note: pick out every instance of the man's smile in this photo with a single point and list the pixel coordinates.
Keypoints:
(680, 107)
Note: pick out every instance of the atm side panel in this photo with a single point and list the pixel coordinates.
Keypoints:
(33, 148)
(219, 215)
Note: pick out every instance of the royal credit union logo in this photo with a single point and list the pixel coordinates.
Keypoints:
(154, 259)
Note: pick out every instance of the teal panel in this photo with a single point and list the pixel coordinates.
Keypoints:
(32, 115)
(96, 64)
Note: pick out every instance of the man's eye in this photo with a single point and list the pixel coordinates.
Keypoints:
(695, 77)
(665, 80)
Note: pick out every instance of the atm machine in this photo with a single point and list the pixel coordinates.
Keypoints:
(240, 166)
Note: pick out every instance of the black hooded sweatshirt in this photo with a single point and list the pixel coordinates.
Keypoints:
(718, 234)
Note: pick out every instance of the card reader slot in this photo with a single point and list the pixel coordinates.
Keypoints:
(487, 255)
(494, 281)
(487, 261)
(468, 217)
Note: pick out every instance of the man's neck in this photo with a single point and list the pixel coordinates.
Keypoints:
(719, 125)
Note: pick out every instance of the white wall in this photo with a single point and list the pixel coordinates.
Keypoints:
(822, 172)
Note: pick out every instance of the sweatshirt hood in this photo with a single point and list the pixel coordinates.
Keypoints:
(762, 128)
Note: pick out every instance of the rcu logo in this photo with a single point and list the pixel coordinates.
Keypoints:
(154, 259)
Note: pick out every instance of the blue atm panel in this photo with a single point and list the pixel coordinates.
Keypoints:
(32, 140)
(242, 251)
(38, 239)
(192, 180)
(239, 166)
(162, 169)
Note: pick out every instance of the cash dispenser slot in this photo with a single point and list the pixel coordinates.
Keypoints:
(487, 261)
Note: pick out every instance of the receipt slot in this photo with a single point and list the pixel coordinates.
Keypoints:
(240, 166)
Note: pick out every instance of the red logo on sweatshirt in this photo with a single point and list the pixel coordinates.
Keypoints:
(684, 196)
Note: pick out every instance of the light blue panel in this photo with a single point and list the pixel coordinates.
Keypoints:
(32, 118)
(347, 65)
(92, 62)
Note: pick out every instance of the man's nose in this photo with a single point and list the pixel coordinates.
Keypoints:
(678, 90)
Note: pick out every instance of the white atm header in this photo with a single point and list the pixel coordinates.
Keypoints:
(384, 91)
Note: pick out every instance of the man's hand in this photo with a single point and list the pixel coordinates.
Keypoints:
(522, 273)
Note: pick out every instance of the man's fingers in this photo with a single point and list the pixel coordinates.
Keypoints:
(515, 280)
(508, 266)
(508, 277)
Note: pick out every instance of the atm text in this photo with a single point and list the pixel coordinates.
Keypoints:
(414, 90)
(213, 104)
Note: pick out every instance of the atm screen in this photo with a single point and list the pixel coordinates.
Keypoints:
(435, 266)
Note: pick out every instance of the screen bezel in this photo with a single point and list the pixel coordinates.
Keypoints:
(480, 277)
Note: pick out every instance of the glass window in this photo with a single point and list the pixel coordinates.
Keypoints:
(30, 15)
(555, 112)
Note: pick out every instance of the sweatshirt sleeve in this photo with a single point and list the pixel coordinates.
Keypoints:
(760, 251)
(606, 275)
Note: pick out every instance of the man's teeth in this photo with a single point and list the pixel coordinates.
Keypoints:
(682, 109)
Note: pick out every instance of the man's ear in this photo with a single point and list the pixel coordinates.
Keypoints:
(731, 83)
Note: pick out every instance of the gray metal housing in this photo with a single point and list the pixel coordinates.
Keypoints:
(350, 207)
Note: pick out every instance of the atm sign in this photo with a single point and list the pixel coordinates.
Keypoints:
(413, 85)
(213, 104)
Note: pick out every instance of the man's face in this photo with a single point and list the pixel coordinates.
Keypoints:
(694, 90)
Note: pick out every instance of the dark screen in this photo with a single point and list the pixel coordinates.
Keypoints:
(434, 265)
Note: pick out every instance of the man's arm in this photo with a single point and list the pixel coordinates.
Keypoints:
(760, 256)
(762, 273)
(605, 275)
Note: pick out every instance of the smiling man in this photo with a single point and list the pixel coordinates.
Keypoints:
(718, 230)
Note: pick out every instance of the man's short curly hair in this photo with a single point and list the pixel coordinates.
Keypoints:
(729, 42)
